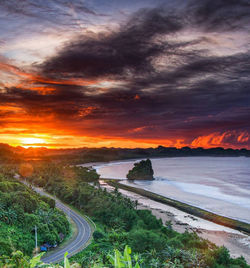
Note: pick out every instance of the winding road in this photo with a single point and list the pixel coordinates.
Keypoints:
(80, 239)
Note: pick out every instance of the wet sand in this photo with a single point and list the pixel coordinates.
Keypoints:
(237, 242)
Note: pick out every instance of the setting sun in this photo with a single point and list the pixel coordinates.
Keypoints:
(32, 142)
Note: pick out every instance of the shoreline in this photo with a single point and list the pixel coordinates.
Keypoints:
(237, 242)
(222, 190)
(195, 211)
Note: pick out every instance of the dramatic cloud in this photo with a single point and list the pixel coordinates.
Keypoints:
(130, 49)
(223, 15)
(52, 11)
(226, 139)
(171, 75)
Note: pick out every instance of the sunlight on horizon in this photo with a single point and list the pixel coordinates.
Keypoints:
(33, 142)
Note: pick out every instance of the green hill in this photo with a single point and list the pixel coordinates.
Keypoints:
(20, 210)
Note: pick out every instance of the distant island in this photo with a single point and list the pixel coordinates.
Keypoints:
(141, 171)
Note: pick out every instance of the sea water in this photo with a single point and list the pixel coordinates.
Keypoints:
(217, 184)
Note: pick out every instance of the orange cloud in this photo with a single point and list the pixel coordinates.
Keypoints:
(232, 139)
(243, 137)
(32, 81)
(10, 108)
(42, 90)
(137, 97)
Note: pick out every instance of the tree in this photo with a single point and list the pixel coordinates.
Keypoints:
(143, 240)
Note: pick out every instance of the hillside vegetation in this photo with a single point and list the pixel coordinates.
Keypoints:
(21, 209)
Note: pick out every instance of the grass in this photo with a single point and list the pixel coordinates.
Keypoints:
(201, 213)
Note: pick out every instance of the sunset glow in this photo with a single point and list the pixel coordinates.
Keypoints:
(32, 142)
(132, 76)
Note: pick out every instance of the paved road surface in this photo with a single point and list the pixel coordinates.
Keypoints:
(80, 240)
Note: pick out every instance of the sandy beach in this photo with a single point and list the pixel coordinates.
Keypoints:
(237, 242)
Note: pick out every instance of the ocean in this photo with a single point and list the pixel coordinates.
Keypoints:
(217, 184)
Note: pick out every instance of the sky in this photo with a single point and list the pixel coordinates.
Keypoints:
(118, 73)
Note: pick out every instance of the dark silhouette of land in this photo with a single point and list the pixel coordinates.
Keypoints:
(141, 171)
(86, 155)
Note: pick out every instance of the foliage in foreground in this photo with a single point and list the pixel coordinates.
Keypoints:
(116, 260)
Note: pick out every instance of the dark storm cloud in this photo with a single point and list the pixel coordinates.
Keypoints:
(220, 14)
(169, 88)
(219, 102)
(221, 70)
(130, 49)
(134, 46)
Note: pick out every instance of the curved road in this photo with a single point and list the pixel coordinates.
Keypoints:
(81, 239)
